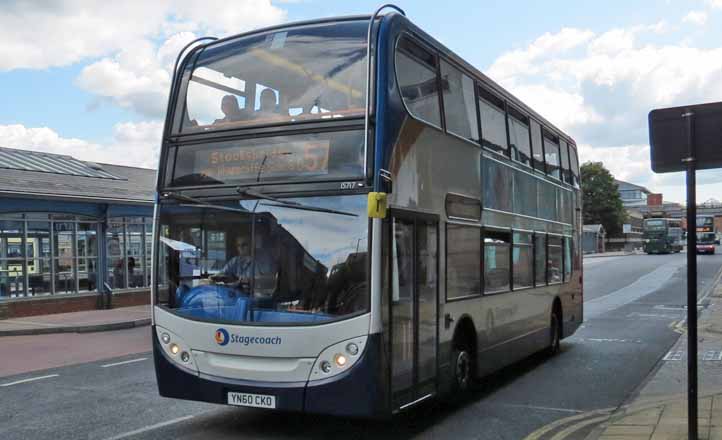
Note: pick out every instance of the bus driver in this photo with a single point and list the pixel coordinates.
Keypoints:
(240, 268)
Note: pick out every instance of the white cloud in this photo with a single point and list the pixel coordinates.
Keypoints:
(137, 77)
(133, 144)
(611, 76)
(717, 4)
(134, 79)
(600, 88)
(62, 32)
(695, 17)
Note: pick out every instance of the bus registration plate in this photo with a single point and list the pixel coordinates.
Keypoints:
(253, 400)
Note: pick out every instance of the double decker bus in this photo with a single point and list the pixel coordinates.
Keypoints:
(705, 234)
(352, 219)
(662, 235)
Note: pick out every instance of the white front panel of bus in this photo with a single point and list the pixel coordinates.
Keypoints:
(238, 351)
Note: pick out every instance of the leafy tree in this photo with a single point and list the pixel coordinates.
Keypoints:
(602, 203)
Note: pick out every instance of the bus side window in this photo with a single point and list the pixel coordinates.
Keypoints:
(537, 147)
(540, 259)
(554, 260)
(522, 261)
(551, 154)
(574, 163)
(459, 105)
(416, 73)
(519, 136)
(566, 172)
(496, 261)
(493, 123)
(567, 259)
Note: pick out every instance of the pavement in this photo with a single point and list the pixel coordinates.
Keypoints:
(77, 322)
(659, 410)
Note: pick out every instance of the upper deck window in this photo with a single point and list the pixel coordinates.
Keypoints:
(459, 105)
(551, 154)
(285, 76)
(416, 73)
(493, 126)
(574, 165)
(519, 136)
(537, 148)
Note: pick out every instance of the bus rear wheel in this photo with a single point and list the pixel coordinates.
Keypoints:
(555, 332)
(462, 371)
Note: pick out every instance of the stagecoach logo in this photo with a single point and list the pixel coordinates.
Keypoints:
(222, 337)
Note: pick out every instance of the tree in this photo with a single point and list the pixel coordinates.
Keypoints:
(602, 204)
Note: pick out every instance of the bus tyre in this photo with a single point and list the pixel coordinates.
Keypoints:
(462, 371)
(554, 333)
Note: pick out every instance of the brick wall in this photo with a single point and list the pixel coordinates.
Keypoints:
(46, 305)
(654, 200)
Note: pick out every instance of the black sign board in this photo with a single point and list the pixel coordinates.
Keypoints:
(669, 137)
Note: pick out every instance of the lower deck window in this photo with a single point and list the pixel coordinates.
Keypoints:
(522, 260)
(540, 259)
(496, 261)
(555, 260)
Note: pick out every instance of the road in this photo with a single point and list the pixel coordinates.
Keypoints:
(631, 303)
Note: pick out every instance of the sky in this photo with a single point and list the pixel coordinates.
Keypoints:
(90, 78)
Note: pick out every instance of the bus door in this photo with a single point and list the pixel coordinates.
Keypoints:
(414, 303)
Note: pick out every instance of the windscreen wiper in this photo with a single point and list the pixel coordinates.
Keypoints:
(290, 204)
(200, 203)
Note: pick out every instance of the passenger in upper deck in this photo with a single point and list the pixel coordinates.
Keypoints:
(268, 107)
(231, 110)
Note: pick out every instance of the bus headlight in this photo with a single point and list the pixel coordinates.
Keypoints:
(175, 348)
(338, 358)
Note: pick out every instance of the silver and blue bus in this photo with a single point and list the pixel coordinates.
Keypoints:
(351, 219)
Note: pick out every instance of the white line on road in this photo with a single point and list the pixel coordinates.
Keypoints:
(30, 379)
(123, 362)
(543, 408)
(674, 356)
(150, 428)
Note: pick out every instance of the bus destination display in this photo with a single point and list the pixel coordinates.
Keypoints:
(301, 158)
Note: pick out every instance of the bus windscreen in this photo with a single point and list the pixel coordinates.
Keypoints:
(313, 72)
(265, 262)
(319, 156)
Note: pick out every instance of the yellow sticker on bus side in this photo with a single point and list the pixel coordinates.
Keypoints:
(377, 205)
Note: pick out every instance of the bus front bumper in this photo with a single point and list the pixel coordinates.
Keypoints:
(358, 392)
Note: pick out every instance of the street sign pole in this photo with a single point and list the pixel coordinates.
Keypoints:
(691, 279)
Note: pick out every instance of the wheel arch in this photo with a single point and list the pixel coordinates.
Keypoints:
(465, 331)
